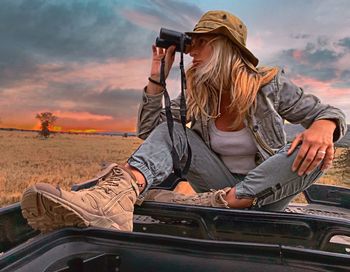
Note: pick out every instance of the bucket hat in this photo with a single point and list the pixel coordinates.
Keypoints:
(227, 24)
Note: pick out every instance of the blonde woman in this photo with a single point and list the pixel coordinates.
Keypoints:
(237, 137)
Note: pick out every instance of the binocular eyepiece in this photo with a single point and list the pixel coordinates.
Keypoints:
(169, 37)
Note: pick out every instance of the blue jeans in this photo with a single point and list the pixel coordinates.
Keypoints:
(272, 183)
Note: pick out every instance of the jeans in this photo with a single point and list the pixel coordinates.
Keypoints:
(272, 183)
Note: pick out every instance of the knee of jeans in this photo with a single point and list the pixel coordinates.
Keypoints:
(281, 191)
(286, 147)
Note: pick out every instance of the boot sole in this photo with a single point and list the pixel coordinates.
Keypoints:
(46, 213)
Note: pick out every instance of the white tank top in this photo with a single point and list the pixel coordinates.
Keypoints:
(236, 148)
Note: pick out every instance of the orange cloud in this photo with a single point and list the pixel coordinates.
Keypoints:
(83, 130)
(120, 124)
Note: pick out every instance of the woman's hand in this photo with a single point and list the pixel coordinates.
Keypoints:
(316, 146)
(157, 55)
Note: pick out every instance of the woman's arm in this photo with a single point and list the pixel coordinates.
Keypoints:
(151, 112)
(316, 147)
(324, 125)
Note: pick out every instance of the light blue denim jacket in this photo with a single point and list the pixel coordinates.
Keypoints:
(277, 101)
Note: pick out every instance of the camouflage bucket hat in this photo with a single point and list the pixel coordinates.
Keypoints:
(225, 23)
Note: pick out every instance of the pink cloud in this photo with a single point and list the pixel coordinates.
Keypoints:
(324, 89)
(298, 55)
(255, 43)
(114, 73)
(82, 116)
(142, 19)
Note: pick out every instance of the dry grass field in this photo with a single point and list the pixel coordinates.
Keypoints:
(66, 159)
(63, 159)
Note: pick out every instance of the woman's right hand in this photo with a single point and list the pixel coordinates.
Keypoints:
(157, 55)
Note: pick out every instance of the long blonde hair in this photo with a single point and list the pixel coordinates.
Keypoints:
(224, 71)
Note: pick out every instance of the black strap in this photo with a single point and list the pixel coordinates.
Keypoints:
(170, 121)
(183, 109)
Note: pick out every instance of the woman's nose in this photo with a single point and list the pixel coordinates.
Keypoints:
(192, 51)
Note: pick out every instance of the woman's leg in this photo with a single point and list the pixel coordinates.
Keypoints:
(273, 184)
(153, 159)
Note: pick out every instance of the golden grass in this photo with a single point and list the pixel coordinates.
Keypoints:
(66, 159)
(63, 159)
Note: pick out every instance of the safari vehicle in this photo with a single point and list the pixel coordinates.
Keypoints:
(169, 237)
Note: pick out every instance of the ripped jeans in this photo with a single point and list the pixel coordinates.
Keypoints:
(272, 183)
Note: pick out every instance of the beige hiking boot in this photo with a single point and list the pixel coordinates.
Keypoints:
(109, 204)
(214, 198)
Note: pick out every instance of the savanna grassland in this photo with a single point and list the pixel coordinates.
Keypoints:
(62, 159)
(66, 159)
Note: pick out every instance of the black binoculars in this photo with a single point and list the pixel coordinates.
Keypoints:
(169, 37)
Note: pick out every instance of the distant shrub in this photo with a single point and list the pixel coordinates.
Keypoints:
(47, 119)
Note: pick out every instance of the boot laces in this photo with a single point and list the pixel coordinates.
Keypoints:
(109, 183)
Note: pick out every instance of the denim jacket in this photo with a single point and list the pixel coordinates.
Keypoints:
(277, 101)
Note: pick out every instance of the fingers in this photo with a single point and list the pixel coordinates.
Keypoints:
(300, 158)
(157, 55)
(171, 50)
(159, 52)
(169, 59)
(328, 159)
(316, 160)
(316, 148)
(170, 55)
(297, 140)
(309, 158)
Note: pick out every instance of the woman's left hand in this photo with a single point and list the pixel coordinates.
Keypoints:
(316, 146)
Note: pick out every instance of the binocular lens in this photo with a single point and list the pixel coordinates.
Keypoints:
(168, 37)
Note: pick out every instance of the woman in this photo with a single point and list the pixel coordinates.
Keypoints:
(237, 139)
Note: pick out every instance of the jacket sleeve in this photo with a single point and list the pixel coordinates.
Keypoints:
(298, 107)
(151, 113)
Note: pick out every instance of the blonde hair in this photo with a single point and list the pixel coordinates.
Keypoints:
(224, 71)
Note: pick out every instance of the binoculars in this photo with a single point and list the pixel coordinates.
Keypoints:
(169, 37)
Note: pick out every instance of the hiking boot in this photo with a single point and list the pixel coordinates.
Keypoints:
(109, 204)
(214, 198)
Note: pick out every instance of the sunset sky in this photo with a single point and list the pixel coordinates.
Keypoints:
(87, 61)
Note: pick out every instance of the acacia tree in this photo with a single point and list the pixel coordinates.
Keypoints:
(47, 119)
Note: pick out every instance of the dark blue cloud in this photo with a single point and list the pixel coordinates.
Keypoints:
(177, 15)
(34, 32)
(69, 30)
(345, 42)
(301, 36)
(344, 80)
(320, 72)
(321, 56)
(317, 60)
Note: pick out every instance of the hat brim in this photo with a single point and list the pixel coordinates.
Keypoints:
(226, 32)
